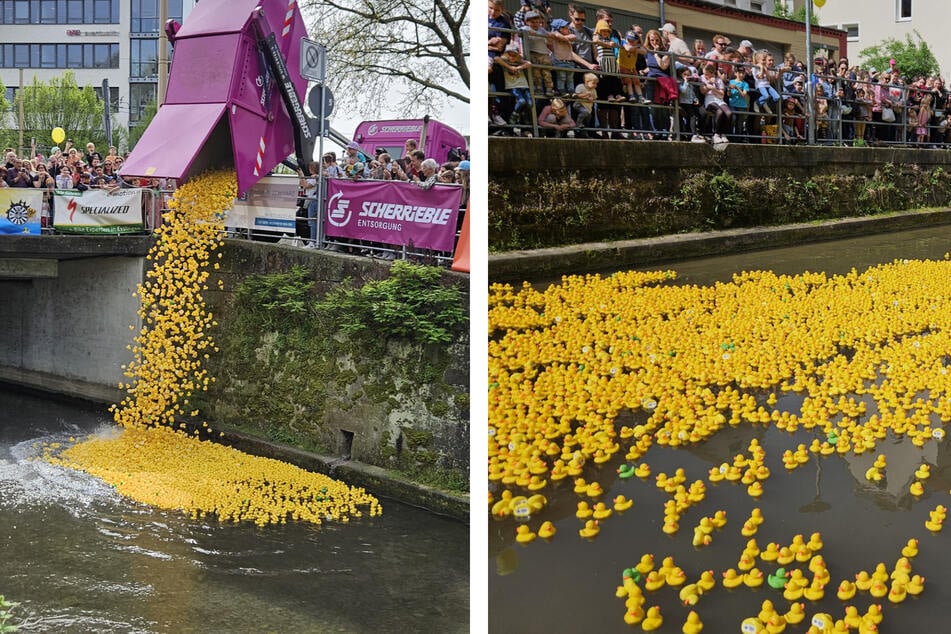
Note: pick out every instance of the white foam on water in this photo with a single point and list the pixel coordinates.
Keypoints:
(28, 480)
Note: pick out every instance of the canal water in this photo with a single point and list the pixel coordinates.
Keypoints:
(568, 584)
(81, 559)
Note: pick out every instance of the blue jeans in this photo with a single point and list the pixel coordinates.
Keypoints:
(312, 218)
(768, 92)
(522, 98)
(563, 78)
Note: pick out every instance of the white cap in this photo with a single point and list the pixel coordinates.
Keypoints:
(670, 28)
(746, 44)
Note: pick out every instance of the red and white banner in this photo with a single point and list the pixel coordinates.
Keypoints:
(98, 211)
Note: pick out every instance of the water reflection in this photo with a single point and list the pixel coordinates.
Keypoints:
(568, 584)
(82, 559)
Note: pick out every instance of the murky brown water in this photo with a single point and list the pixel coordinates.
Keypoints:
(568, 584)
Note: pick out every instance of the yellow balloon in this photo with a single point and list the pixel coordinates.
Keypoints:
(819, 3)
(59, 135)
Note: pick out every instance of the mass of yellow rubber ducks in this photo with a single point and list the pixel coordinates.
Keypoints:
(864, 352)
(152, 461)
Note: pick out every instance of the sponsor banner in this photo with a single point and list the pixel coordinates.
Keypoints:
(394, 213)
(20, 210)
(98, 211)
(268, 206)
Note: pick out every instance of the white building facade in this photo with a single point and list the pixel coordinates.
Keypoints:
(116, 40)
(868, 22)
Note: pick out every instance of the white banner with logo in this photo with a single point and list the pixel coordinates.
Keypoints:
(98, 211)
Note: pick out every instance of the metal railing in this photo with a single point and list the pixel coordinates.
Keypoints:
(676, 121)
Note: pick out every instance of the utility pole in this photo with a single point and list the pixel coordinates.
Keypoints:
(162, 53)
(20, 118)
(810, 86)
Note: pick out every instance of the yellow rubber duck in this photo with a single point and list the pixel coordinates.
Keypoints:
(690, 594)
(670, 527)
(796, 614)
(753, 578)
(770, 553)
(646, 564)
(880, 573)
(524, 535)
(594, 490)
(719, 519)
(756, 516)
(634, 615)
(701, 539)
(785, 556)
(601, 511)
(581, 486)
(751, 625)
(717, 474)
(546, 530)
(731, 579)
(902, 569)
(707, 580)
(897, 593)
(910, 549)
(622, 503)
(676, 577)
(590, 530)
(642, 471)
(915, 585)
(923, 472)
(746, 562)
(755, 490)
(502, 507)
(879, 461)
(766, 610)
(584, 511)
(815, 542)
(814, 592)
(653, 619)
(749, 528)
(692, 625)
(863, 581)
(654, 581)
(878, 589)
(776, 624)
(852, 617)
(873, 614)
(916, 488)
(846, 590)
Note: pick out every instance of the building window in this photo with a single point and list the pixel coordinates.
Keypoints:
(756, 6)
(145, 15)
(904, 9)
(140, 96)
(59, 56)
(143, 59)
(851, 32)
(61, 11)
(729, 3)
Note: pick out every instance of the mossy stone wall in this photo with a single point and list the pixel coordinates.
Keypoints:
(380, 401)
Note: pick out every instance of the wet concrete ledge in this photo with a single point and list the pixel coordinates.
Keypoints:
(515, 266)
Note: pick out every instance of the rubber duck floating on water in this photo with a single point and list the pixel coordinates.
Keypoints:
(524, 535)
(693, 624)
(546, 530)
(590, 530)
(653, 619)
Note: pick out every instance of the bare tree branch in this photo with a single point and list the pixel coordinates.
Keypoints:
(409, 52)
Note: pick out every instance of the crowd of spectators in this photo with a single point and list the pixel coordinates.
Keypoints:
(580, 77)
(413, 166)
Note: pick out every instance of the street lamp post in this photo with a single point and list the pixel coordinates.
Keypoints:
(810, 86)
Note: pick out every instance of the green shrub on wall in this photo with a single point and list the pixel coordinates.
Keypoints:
(547, 212)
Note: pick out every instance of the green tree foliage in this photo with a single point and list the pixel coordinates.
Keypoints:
(61, 103)
(407, 54)
(796, 15)
(4, 103)
(913, 57)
